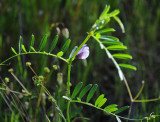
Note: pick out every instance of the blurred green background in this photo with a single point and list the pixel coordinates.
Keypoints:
(141, 19)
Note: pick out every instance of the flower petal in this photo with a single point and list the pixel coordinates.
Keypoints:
(83, 53)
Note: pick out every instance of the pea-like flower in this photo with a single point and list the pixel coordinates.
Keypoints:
(83, 52)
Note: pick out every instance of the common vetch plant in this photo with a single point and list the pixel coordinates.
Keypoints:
(98, 33)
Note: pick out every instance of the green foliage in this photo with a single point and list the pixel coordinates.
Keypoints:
(54, 42)
(107, 30)
(32, 42)
(24, 49)
(128, 66)
(91, 92)
(117, 47)
(100, 101)
(76, 90)
(13, 50)
(122, 56)
(84, 91)
(20, 43)
(43, 42)
(66, 45)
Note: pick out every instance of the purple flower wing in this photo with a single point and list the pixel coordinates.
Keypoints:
(84, 53)
(81, 50)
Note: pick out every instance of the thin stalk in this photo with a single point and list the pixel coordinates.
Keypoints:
(41, 91)
(68, 79)
(11, 91)
(54, 101)
(149, 100)
(128, 88)
(139, 91)
(68, 89)
(130, 109)
(68, 116)
(19, 82)
(33, 70)
(43, 53)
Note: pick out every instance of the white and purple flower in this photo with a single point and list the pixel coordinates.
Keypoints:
(83, 52)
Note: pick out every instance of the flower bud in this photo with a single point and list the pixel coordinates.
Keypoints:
(46, 69)
(10, 70)
(28, 63)
(6, 79)
(55, 67)
(60, 78)
(65, 33)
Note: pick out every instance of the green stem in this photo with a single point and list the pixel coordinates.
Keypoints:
(43, 53)
(68, 79)
(68, 116)
(139, 91)
(68, 89)
(69, 72)
(149, 100)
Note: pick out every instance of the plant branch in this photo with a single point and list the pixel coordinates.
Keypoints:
(43, 53)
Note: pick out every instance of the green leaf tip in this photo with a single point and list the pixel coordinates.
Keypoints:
(24, 49)
(59, 54)
(13, 50)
